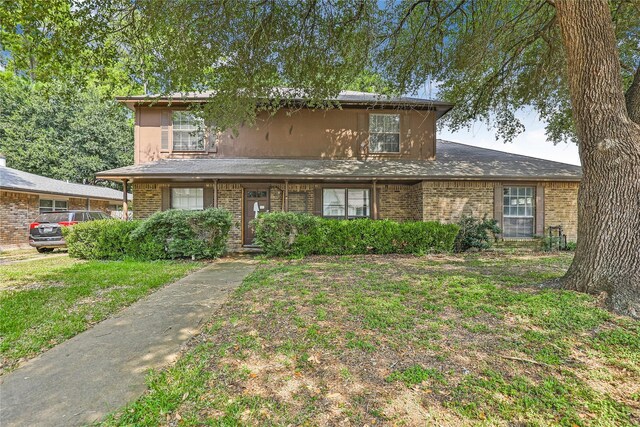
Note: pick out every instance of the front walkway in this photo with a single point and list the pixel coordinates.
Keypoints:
(102, 369)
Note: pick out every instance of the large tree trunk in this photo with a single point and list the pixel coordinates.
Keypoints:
(608, 253)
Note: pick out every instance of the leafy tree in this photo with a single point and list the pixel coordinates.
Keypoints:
(576, 62)
(59, 132)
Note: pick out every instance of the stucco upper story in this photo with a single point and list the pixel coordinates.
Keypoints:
(338, 133)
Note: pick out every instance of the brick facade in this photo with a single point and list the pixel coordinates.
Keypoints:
(561, 207)
(399, 202)
(18, 210)
(230, 198)
(447, 201)
(147, 199)
(444, 201)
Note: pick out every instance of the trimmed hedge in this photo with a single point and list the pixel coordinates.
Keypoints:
(194, 234)
(168, 234)
(102, 239)
(284, 234)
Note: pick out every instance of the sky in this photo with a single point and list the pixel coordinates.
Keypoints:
(532, 142)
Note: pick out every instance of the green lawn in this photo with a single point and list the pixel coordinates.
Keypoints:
(375, 340)
(46, 301)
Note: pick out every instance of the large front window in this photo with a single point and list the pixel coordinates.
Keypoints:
(188, 132)
(345, 203)
(187, 198)
(384, 133)
(518, 212)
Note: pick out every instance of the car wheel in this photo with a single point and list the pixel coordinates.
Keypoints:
(44, 250)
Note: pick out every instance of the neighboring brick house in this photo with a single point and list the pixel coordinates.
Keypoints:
(23, 196)
(373, 157)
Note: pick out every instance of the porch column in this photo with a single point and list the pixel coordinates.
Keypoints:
(374, 204)
(125, 201)
(215, 193)
(286, 196)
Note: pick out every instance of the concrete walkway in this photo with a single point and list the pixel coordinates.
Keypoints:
(104, 368)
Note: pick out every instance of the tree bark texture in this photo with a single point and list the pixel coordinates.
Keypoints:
(607, 256)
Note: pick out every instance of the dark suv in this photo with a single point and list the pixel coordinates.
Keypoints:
(45, 233)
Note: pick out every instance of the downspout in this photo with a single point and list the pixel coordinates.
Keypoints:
(374, 210)
(286, 195)
(215, 193)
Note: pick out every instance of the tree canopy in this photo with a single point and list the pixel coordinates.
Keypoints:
(489, 58)
(57, 131)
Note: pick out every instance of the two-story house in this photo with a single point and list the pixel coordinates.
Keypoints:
(374, 158)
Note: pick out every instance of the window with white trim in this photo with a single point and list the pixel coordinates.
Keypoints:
(518, 212)
(49, 205)
(345, 203)
(188, 131)
(190, 199)
(384, 133)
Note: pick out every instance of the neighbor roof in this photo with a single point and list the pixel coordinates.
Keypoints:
(17, 180)
(453, 161)
(346, 98)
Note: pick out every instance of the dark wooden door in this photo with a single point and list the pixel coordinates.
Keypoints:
(256, 200)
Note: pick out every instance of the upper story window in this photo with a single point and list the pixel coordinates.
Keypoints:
(191, 199)
(345, 203)
(188, 132)
(518, 212)
(384, 133)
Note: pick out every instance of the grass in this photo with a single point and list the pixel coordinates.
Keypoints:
(44, 302)
(436, 340)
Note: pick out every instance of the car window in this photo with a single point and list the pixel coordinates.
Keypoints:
(52, 217)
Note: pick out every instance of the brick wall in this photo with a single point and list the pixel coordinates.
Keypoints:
(17, 211)
(230, 198)
(399, 202)
(443, 201)
(561, 207)
(101, 205)
(447, 201)
(147, 199)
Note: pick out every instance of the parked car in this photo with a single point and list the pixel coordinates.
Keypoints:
(45, 233)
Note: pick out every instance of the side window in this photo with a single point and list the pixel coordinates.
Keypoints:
(518, 212)
(48, 205)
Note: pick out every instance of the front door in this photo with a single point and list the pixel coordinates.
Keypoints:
(256, 200)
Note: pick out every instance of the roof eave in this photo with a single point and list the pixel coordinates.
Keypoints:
(79, 196)
(160, 176)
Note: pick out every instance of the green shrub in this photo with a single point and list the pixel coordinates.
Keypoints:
(276, 232)
(169, 234)
(285, 234)
(193, 234)
(474, 233)
(103, 239)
